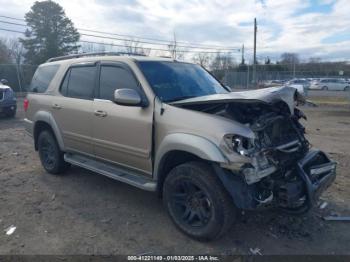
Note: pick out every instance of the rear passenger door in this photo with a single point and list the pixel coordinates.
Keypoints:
(122, 134)
(73, 109)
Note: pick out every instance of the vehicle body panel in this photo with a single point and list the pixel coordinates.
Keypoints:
(267, 95)
(139, 137)
(126, 136)
(8, 101)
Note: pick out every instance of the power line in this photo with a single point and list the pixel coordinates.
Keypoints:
(144, 42)
(158, 40)
(150, 48)
(118, 45)
(185, 44)
(9, 17)
(9, 30)
(12, 23)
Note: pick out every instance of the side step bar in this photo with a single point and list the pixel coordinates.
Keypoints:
(123, 175)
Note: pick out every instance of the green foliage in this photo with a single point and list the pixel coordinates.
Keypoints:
(51, 33)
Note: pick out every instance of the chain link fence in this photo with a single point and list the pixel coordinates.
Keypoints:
(243, 79)
(18, 76)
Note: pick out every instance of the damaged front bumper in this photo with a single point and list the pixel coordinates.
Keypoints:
(311, 176)
(318, 173)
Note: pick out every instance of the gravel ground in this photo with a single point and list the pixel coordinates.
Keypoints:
(85, 213)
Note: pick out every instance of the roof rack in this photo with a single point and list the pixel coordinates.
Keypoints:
(72, 56)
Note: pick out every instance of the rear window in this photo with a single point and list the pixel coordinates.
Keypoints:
(42, 78)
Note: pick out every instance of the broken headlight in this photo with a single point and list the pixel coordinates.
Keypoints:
(238, 144)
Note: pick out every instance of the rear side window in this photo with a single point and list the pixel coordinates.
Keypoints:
(42, 78)
(79, 82)
(114, 77)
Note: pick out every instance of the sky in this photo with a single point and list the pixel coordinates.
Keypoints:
(311, 28)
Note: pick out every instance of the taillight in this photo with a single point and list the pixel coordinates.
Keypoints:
(25, 104)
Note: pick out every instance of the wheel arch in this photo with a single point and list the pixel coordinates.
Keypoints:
(177, 149)
(45, 121)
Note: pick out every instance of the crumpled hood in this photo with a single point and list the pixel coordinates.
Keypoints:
(267, 95)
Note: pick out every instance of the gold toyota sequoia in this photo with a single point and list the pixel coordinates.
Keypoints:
(170, 127)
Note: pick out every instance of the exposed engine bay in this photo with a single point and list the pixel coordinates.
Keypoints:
(272, 178)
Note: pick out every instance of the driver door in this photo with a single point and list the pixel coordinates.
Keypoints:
(122, 135)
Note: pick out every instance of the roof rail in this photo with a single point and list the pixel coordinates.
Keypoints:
(72, 56)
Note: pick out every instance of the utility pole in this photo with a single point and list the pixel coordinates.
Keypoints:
(243, 60)
(293, 67)
(174, 50)
(254, 62)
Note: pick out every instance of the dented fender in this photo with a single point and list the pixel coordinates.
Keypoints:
(196, 145)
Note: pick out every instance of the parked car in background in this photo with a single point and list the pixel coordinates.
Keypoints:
(272, 83)
(299, 81)
(8, 101)
(331, 84)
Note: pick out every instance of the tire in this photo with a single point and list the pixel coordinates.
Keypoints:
(11, 114)
(347, 88)
(325, 88)
(197, 202)
(51, 156)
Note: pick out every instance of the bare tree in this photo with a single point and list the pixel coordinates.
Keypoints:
(222, 62)
(13, 51)
(315, 60)
(289, 58)
(5, 54)
(91, 48)
(202, 59)
(16, 50)
(133, 46)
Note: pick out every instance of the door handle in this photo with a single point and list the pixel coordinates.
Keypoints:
(56, 106)
(100, 113)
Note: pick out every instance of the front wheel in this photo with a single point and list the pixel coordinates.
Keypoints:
(197, 202)
(347, 88)
(51, 156)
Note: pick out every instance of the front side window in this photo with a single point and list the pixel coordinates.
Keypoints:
(115, 77)
(79, 82)
(173, 81)
(42, 78)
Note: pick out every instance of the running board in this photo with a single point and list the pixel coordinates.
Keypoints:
(126, 176)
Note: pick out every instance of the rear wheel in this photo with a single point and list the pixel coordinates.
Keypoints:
(197, 202)
(325, 88)
(50, 155)
(11, 114)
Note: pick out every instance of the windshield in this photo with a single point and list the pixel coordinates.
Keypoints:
(173, 81)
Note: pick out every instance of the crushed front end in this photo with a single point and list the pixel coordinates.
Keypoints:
(269, 160)
(280, 170)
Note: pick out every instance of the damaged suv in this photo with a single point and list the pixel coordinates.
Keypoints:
(172, 128)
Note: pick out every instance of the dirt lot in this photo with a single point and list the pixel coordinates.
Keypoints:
(85, 213)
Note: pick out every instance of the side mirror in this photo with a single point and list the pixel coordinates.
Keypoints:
(127, 97)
